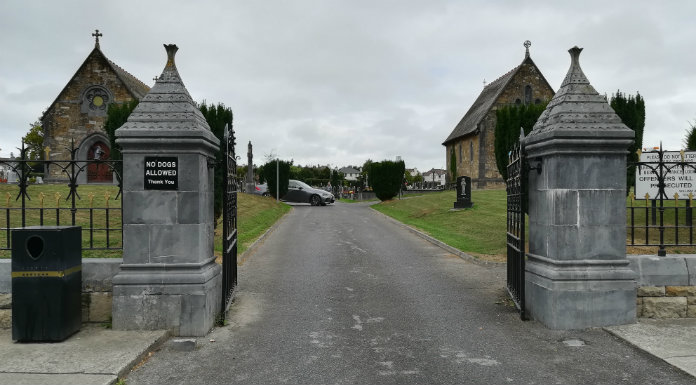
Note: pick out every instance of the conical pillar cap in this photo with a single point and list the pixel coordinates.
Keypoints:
(168, 106)
(578, 109)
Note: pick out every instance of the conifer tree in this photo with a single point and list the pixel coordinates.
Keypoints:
(631, 110)
(509, 119)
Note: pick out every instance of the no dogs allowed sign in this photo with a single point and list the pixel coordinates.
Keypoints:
(161, 173)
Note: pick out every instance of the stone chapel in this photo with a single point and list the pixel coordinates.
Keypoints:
(472, 140)
(79, 111)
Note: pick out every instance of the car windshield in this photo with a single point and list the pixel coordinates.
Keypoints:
(302, 184)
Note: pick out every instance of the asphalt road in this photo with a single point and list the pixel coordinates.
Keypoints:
(339, 294)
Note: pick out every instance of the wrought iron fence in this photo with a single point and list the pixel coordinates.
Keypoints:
(662, 220)
(515, 227)
(101, 226)
(229, 220)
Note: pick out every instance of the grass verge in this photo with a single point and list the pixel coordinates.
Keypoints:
(255, 215)
(479, 231)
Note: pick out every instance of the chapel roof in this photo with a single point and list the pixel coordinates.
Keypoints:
(485, 101)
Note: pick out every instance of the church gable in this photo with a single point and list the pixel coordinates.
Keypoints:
(527, 86)
(79, 111)
(470, 147)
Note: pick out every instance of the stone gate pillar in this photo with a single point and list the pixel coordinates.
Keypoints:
(577, 274)
(169, 278)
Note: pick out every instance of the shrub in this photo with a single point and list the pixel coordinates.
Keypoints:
(269, 175)
(386, 178)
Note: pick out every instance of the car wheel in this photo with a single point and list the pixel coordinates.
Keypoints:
(315, 200)
(266, 194)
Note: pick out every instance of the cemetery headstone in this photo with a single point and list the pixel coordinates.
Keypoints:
(463, 193)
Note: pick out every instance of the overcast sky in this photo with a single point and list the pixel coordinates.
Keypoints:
(338, 82)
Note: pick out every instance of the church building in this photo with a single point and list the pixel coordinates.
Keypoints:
(472, 140)
(79, 111)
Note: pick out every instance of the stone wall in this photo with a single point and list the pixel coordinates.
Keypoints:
(666, 302)
(666, 286)
(97, 274)
(69, 118)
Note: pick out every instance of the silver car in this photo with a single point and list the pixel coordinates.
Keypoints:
(301, 192)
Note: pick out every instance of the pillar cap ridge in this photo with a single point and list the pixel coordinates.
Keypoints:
(578, 106)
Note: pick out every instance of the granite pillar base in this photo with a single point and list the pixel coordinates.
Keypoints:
(580, 294)
(182, 298)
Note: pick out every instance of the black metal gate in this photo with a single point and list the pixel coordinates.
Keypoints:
(515, 227)
(229, 221)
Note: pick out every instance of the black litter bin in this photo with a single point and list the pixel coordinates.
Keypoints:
(46, 282)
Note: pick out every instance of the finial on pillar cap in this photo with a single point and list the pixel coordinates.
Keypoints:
(527, 44)
(575, 55)
(96, 35)
(171, 52)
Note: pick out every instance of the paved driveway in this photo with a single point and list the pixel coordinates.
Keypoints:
(339, 294)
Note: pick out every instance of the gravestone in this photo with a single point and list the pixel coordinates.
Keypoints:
(463, 193)
(577, 274)
(169, 278)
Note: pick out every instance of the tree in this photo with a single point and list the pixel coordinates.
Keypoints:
(116, 116)
(631, 110)
(218, 116)
(34, 141)
(364, 173)
(283, 176)
(335, 180)
(509, 119)
(386, 178)
(690, 139)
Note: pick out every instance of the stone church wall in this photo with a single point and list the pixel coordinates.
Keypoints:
(72, 116)
(482, 166)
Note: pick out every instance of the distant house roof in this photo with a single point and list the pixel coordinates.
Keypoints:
(436, 171)
(132, 84)
(348, 170)
(484, 103)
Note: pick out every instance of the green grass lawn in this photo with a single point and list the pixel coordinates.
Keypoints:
(255, 215)
(479, 230)
(48, 203)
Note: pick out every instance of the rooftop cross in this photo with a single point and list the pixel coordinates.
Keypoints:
(96, 34)
(527, 44)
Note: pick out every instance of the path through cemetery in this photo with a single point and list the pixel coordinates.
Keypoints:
(340, 294)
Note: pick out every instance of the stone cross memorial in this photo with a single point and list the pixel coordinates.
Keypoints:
(169, 278)
(463, 193)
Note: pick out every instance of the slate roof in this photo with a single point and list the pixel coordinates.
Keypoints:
(484, 103)
(133, 84)
(348, 170)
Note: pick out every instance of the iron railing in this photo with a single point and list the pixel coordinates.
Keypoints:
(515, 227)
(104, 220)
(662, 220)
(229, 220)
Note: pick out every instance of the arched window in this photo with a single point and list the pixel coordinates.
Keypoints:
(518, 101)
(471, 151)
(527, 94)
(537, 101)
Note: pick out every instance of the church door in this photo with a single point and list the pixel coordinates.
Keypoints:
(98, 172)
